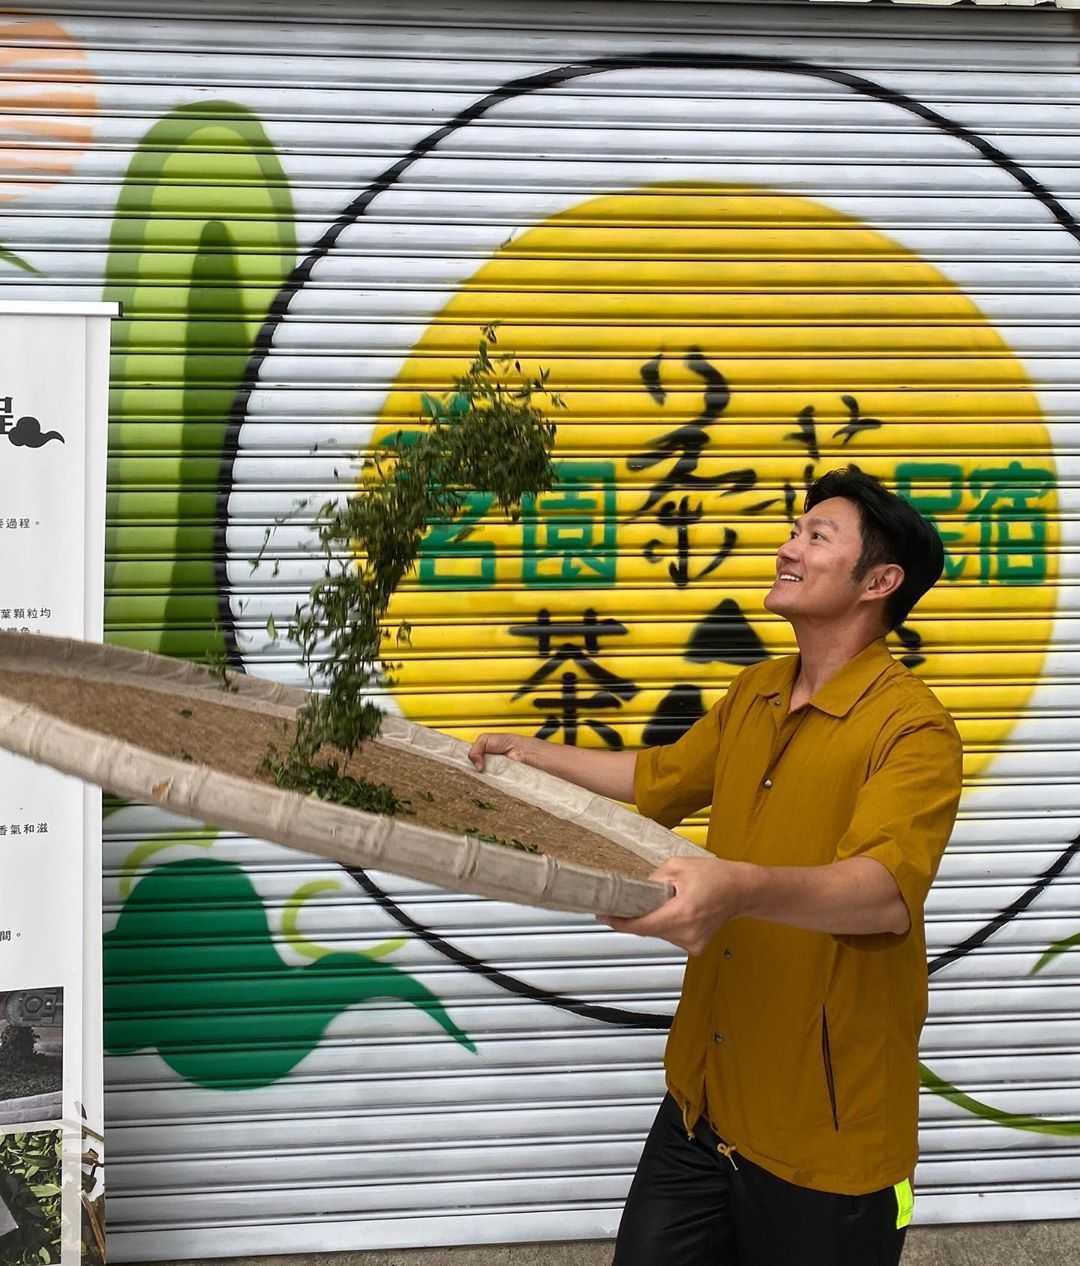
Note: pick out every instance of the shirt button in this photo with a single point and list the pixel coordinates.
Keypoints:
(767, 783)
(729, 953)
(718, 1038)
(776, 703)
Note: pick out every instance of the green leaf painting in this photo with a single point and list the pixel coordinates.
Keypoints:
(191, 971)
(202, 239)
(16, 261)
(1055, 951)
(995, 1116)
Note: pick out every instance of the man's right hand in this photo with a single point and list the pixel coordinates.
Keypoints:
(512, 746)
(607, 773)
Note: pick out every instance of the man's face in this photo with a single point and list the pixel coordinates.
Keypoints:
(815, 565)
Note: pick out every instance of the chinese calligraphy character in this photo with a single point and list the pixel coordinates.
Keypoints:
(683, 448)
(943, 496)
(562, 550)
(1012, 526)
(575, 655)
(1012, 533)
(452, 542)
(681, 518)
(685, 442)
(807, 438)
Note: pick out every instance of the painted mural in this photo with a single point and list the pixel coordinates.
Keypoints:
(724, 321)
(662, 486)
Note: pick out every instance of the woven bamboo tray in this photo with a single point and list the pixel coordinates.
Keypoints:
(172, 733)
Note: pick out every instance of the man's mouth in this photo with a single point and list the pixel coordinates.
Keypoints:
(789, 575)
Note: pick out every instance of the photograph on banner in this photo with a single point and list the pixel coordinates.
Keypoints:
(31, 1164)
(52, 518)
(31, 1056)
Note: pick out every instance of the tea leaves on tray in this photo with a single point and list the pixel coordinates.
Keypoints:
(328, 783)
(488, 837)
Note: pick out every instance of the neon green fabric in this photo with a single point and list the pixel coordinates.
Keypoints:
(905, 1203)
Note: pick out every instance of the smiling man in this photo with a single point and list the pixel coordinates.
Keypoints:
(788, 1135)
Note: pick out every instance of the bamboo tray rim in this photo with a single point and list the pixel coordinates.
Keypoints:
(348, 836)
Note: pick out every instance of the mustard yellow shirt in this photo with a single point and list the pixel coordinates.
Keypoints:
(803, 1045)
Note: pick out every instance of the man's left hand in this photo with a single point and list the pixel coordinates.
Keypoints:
(708, 892)
(857, 896)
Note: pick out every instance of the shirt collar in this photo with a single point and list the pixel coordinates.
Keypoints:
(840, 693)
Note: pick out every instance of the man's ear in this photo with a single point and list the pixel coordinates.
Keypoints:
(883, 581)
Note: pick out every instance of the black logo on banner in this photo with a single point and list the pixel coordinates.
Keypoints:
(26, 432)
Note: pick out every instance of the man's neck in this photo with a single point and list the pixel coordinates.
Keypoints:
(823, 651)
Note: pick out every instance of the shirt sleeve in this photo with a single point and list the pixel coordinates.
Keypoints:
(675, 780)
(905, 812)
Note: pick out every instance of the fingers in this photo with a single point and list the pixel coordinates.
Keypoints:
(658, 922)
(476, 752)
(508, 745)
(670, 872)
(679, 920)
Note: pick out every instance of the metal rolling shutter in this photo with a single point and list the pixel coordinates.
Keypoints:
(748, 242)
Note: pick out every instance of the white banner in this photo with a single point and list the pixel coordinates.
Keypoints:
(53, 419)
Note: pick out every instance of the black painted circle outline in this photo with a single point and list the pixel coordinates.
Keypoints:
(300, 274)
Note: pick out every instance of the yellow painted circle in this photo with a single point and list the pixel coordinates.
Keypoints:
(833, 343)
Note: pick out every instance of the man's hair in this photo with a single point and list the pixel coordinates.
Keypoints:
(892, 532)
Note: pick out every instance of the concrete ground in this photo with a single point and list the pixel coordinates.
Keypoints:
(1005, 1244)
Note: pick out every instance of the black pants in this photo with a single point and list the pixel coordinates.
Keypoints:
(690, 1206)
